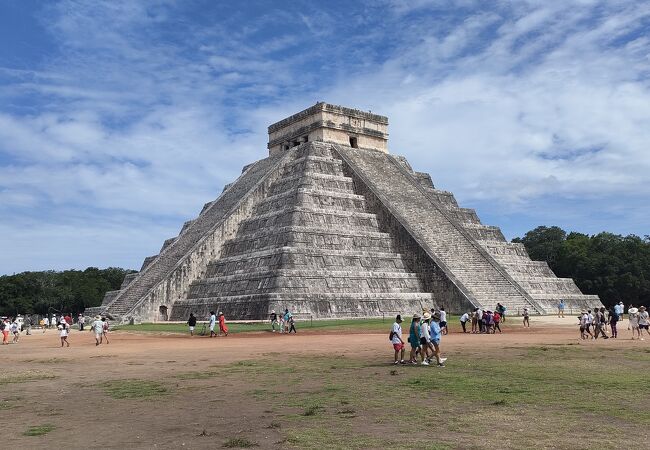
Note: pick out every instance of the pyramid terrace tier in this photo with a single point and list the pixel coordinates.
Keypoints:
(302, 216)
(484, 232)
(301, 257)
(306, 281)
(324, 238)
(308, 198)
(305, 306)
(314, 181)
(319, 164)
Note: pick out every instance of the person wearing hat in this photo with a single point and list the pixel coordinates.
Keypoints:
(414, 338)
(436, 336)
(222, 324)
(633, 321)
(81, 321)
(644, 322)
(98, 328)
(191, 322)
(425, 339)
(619, 309)
(274, 320)
(396, 340)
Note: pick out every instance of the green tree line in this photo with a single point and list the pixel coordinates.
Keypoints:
(615, 267)
(50, 291)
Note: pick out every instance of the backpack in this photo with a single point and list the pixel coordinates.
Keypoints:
(390, 336)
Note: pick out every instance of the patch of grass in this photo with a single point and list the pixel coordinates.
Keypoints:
(26, 377)
(311, 410)
(198, 375)
(239, 442)
(131, 389)
(38, 430)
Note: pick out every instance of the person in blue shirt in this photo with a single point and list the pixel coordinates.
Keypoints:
(436, 335)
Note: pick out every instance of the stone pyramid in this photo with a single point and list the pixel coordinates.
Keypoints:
(331, 225)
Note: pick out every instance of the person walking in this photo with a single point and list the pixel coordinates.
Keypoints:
(414, 338)
(292, 324)
(436, 336)
(633, 321)
(15, 330)
(526, 317)
(502, 311)
(64, 328)
(105, 329)
(28, 325)
(613, 320)
(396, 340)
(222, 324)
(644, 322)
(463, 321)
(81, 321)
(496, 317)
(191, 322)
(274, 320)
(46, 324)
(97, 327)
(213, 323)
(443, 320)
(600, 321)
(560, 309)
(287, 315)
(475, 320)
(425, 339)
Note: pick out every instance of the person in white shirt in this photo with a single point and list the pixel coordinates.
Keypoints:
(644, 321)
(463, 321)
(15, 330)
(63, 333)
(425, 339)
(443, 319)
(584, 326)
(213, 322)
(98, 328)
(396, 340)
(633, 321)
(46, 324)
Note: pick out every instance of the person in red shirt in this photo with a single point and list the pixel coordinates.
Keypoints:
(222, 325)
(497, 319)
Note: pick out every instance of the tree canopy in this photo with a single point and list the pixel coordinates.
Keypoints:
(50, 291)
(615, 267)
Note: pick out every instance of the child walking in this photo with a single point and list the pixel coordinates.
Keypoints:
(63, 333)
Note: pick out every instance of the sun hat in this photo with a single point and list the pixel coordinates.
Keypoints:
(641, 308)
(633, 310)
(426, 316)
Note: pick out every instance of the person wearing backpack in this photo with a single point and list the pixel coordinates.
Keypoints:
(600, 323)
(395, 338)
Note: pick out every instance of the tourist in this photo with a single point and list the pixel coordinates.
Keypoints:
(585, 326)
(68, 319)
(98, 328)
(644, 322)
(463, 321)
(282, 324)
(4, 327)
(46, 323)
(191, 322)
(292, 324)
(502, 311)
(613, 320)
(497, 318)
(63, 332)
(475, 320)
(213, 323)
(619, 309)
(560, 309)
(28, 325)
(414, 338)
(633, 321)
(274, 320)
(396, 340)
(600, 320)
(479, 318)
(436, 336)
(526, 317)
(287, 315)
(15, 330)
(105, 329)
(81, 320)
(488, 321)
(425, 339)
(443, 320)
(222, 324)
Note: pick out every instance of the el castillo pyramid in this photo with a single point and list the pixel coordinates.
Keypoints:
(332, 225)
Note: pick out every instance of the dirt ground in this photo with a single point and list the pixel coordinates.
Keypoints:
(42, 383)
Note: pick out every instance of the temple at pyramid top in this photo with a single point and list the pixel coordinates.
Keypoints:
(324, 122)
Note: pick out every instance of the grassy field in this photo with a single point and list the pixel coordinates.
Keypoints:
(529, 397)
(338, 325)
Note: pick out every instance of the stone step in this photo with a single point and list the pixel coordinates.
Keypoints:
(308, 236)
(445, 198)
(301, 257)
(318, 217)
(305, 280)
(314, 164)
(314, 180)
(464, 215)
(310, 198)
(484, 232)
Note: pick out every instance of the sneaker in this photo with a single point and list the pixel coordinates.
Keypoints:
(415, 363)
(396, 363)
(442, 360)
(425, 363)
(441, 365)
(402, 362)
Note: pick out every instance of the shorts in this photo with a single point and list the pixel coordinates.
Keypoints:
(414, 344)
(443, 324)
(644, 327)
(191, 328)
(211, 327)
(436, 342)
(423, 342)
(98, 335)
(398, 347)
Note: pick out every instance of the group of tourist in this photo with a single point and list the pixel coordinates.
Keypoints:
(284, 322)
(593, 325)
(485, 321)
(425, 334)
(9, 325)
(62, 323)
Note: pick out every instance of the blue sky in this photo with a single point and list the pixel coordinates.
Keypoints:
(120, 119)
